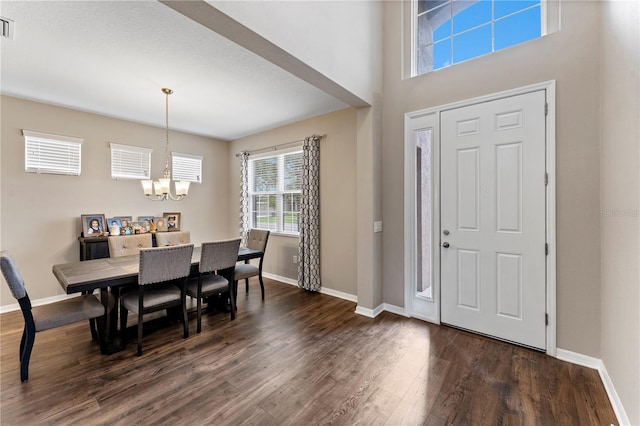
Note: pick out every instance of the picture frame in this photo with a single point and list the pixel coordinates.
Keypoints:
(145, 222)
(161, 224)
(174, 220)
(126, 222)
(93, 225)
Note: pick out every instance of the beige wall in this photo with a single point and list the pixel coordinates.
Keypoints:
(620, 200)
(337, 198)
(41, 213)
(571, 57)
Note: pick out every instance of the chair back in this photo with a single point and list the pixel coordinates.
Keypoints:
(12, 275)
(127, 245)
(218, 255)
(174, 238)
(257, 239)
(160, 264)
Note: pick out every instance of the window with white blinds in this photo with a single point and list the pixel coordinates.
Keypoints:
(130, 162)
(275, 184)
(53, 154)
(186, 167)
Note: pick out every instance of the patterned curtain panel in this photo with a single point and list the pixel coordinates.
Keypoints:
(309, 253)
(244, 197)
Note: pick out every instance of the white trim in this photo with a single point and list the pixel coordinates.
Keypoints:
(38, 302)
(54, 136)
(597, 364)
(395, 310)
(280, 278)
(371, 313)
(409, 207)
(323, 290)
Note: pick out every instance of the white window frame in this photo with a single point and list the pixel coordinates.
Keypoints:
(280, 193)
(186, 167)
(130, 162)
(549, 23)
(52, 154)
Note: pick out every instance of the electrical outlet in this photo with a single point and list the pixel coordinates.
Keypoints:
(295, 259)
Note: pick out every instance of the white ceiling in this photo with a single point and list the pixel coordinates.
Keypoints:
(112, 58)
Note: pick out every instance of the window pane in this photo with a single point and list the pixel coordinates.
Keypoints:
(291, 212)
(186, 167)
(265, 176)
(472, 44)
(430, 4)
(505, 7)
(517, 28)
(264, 212)
(442, 54)
(293, 172)
(424, 59)
(469, 14)
(439, 22)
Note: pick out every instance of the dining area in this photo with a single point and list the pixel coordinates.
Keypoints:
(117, 294)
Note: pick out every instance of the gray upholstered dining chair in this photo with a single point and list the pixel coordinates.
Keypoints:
(162, 281)
(257, 240)
(214, 257)
(49, 316)
(173, 238)
(127, 245)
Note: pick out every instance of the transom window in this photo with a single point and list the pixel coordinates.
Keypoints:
(53, 154)
(275, 184)
(452, 31)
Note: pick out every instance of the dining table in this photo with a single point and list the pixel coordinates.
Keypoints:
(112, 273)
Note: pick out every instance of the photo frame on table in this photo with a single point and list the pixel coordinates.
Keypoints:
(93, 225)
(161, 223)
(174, 221)
(145, 222)
(126, 227)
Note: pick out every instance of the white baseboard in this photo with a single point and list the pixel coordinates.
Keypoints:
(37, 302)
(597, 364)
(371, 313)
(323, 290)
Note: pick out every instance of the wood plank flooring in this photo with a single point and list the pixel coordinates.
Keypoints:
(296, 359)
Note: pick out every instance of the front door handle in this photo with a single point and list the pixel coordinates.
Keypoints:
(445, 244)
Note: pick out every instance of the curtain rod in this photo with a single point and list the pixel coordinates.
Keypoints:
(277, 147)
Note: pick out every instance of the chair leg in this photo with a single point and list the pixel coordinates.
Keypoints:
(23, 340)
(199, 321)
(101, 333)
(92, 328)
(234, 297)
(185, 318)
(140, 322)
(25, 352)
(124, 313)
(261, 285)
(246, 284)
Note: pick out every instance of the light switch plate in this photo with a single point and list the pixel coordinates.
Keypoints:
(377, 226)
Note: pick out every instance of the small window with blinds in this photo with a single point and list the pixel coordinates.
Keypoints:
(275, 184)
(130, 162)
(186, 167)
(52, 154)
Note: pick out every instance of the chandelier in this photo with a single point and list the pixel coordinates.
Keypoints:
(162, 186)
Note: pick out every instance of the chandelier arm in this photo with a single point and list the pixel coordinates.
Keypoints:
(164, 184)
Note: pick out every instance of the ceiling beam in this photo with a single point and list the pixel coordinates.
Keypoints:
(207, 15)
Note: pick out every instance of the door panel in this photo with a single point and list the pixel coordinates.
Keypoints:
(493, 218)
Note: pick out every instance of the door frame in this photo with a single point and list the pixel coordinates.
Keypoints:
(410, 219)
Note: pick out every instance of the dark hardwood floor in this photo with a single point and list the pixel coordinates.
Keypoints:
(297, 359)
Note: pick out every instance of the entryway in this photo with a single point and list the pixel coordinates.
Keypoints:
(480, 223)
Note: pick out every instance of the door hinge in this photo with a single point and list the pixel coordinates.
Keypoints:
(546, 319)
(546, 179)
(546, 108)
(546, 249)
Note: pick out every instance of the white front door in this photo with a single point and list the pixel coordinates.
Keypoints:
(492, 217)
